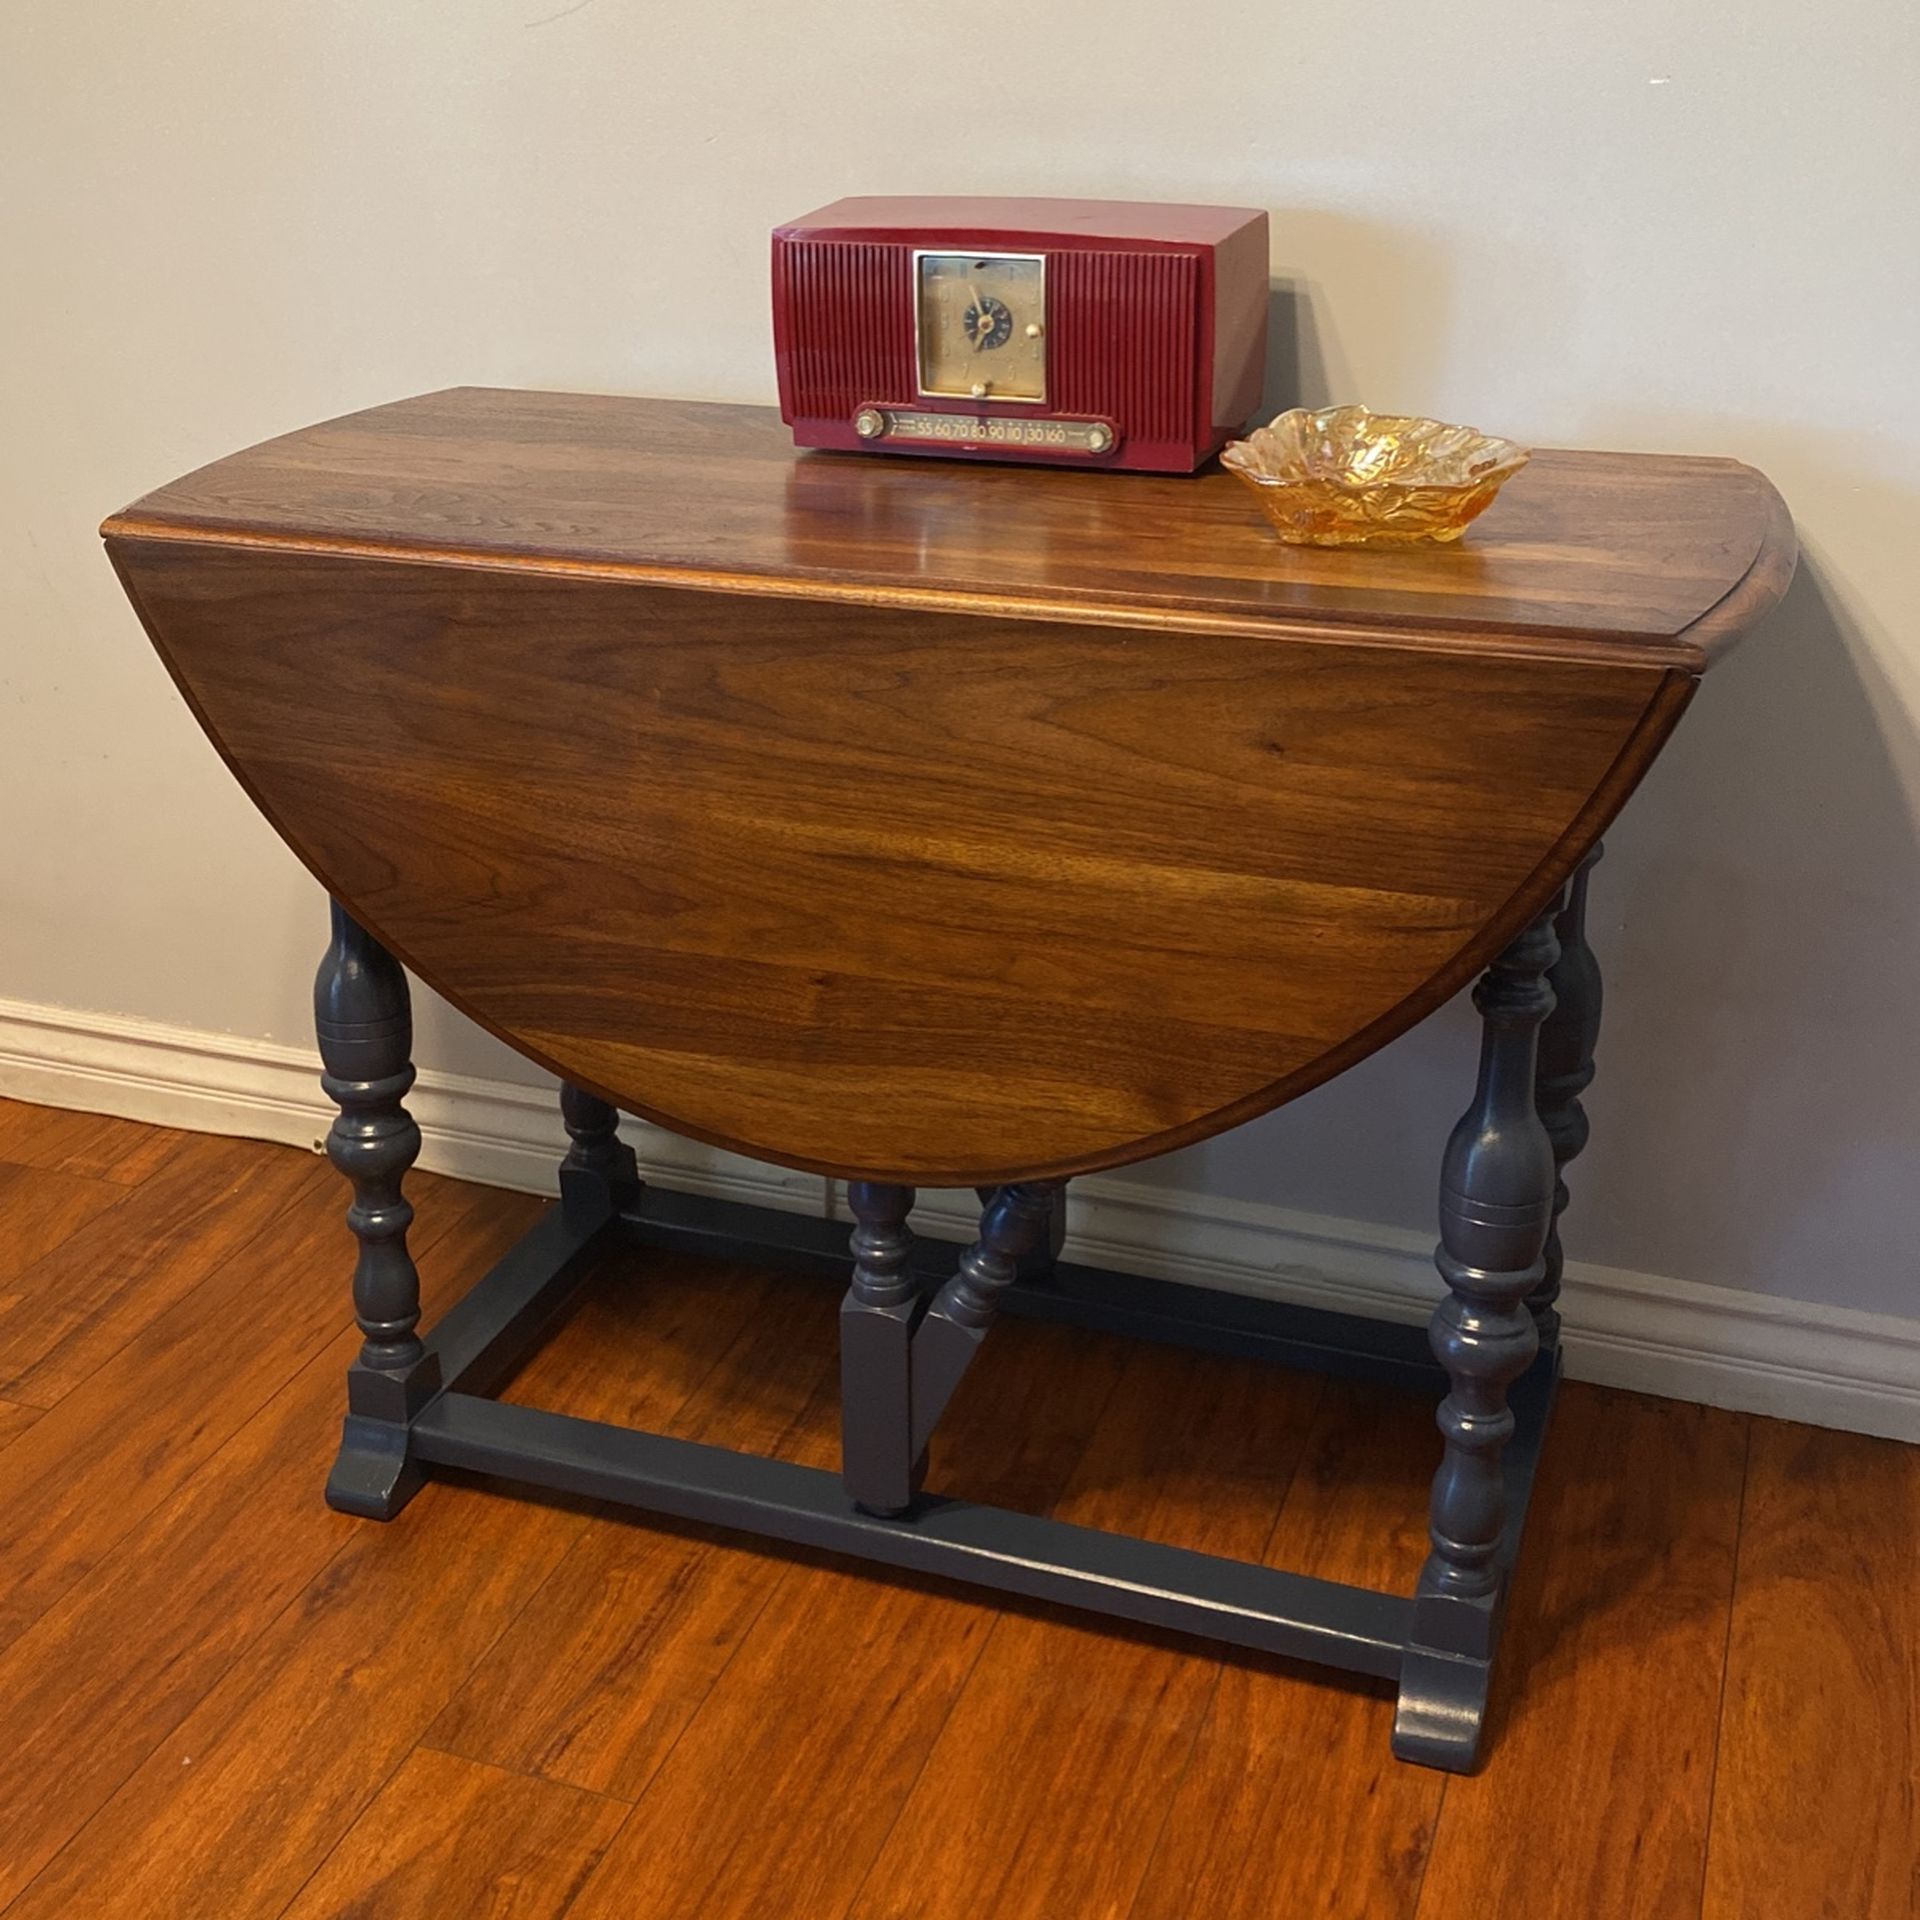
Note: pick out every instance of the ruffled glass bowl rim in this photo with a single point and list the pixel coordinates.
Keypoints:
(1502, 458)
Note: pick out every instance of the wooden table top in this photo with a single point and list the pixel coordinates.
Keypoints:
(1651, 558)
(942, 823)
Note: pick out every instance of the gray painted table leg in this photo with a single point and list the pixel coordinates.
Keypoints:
(1496, 1205)
(1013, 1224)
(364, 1021)
(599, 1174)
(1567, 1043)
(881, 1466)
(1041, 1259)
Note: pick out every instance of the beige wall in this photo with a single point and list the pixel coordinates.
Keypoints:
(1656, 223)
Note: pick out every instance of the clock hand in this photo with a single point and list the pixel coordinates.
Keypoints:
(982, 319)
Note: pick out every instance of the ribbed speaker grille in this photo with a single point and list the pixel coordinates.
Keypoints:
(1123, 339)
(850, 318)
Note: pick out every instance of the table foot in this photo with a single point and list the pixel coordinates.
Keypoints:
(1441, 1715)
(374, 1474)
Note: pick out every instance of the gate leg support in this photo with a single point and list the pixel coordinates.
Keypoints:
(1013, 1225)
(877, 1456)
(1565, 1072)
(1496, 1205)
(1044, 1255)
(364, 1021)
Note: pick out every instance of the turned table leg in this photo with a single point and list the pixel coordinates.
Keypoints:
(1012, 1225)
(1565, 1072)
(899, 1367)
(1044, 1255)
(364, 1022)
(599, 1173)
(1496, 1205)
(878, 1459)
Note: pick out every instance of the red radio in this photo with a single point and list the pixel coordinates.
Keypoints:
(1104, 333)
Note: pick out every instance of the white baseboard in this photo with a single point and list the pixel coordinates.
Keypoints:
(1830, 1366)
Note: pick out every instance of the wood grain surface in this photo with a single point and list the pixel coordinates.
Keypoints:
(43, 1210)
(183, 1535)
(1642, 1499)
(1822, 1665)
(1046, 1790)
(650, 1619)
(944, 902)
(447, 1837)
(1607, 554)
(83, 1300)
(1248, 1832)
(914, 824)
(15, 1420)
(238, 1706)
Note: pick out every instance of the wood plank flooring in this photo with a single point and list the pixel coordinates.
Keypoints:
(221, 1701)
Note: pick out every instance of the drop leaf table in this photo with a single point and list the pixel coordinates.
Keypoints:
(936, 826)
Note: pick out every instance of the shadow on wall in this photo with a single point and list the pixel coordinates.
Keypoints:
(1755, 1125)
(1385, 274)
(1758, 1126)
(1296, 364)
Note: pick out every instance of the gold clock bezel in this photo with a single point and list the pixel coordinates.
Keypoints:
(926, 392)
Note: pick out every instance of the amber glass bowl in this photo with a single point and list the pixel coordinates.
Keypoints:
(1344, 477)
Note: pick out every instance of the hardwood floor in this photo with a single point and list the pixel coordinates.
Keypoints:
(220, 1700)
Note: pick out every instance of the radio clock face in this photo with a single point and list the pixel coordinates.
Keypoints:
(982, 325)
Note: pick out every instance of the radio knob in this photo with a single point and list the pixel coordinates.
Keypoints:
(1034, 329)
(869, 423)
(1099, 438)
